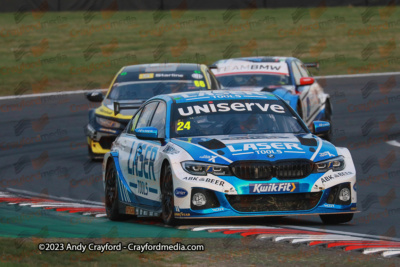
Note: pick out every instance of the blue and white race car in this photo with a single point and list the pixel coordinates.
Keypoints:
(211, 154)
(286, 77)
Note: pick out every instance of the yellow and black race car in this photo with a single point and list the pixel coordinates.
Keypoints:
(132, 86)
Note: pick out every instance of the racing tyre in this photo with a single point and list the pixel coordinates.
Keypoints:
(336, 218)
(167, 197)
(111, 194)
(328, 117)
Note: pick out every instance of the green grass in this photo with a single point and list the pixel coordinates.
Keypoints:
(46, 52)
(218, 252)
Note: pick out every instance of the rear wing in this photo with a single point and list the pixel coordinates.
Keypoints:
(312, 65)
(118, 107)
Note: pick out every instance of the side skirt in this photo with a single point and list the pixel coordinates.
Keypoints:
(139, 210)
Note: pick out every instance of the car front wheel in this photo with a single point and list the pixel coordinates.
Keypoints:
(167, 197)
(111, 194)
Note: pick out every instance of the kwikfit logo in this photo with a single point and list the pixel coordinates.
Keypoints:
(271, 188)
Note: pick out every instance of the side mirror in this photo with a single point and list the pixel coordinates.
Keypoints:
(147, 133)
(306, 81)
(321, 127)
(95, 96)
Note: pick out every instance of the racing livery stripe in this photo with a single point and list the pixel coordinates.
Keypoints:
(314, 115)
(244, 153)
(177, 142)
(120, 175)
(153, 190)
(317, 151)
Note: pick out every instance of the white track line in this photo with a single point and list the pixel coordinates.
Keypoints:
(33, 203)
(93, 90)
(319, 238)
(67, 205)
(50, 94)
(24, 192)
(393, 143)
(230, 227)
(358, 75)
(188, 227)
(53, 204)
(5, 194)
(324, 238)
(376, 250)
(341, 233)
(391, 253)
(92, 213)
(45, 204)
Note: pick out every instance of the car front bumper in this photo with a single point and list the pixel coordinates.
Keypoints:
(226, 209)
(100, 140)
(235, 200)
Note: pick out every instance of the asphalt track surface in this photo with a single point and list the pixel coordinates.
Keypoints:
(43, 150)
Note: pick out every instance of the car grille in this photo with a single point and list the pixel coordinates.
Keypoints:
(274, 202)
(106, 141)
(265, 170)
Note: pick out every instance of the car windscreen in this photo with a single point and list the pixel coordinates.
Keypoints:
(259, 80)
(148, 89)
(225, 117)
(159, 74)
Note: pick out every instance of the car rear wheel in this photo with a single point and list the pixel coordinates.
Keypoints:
(336, 218)
(111, 194)
(167, 197)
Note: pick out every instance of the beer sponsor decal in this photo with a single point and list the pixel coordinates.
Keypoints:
(211, 181)
(332, 176)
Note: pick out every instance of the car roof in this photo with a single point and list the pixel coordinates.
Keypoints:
(162, 67)
(252, 65)
(212, 94)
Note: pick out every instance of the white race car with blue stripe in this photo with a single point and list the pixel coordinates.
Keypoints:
(211, 154)
(286, 77)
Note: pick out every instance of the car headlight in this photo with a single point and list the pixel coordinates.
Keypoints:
(198, 168)
(335, 164)
(108, 123)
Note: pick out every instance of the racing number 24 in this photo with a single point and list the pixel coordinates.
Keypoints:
(182, 126)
